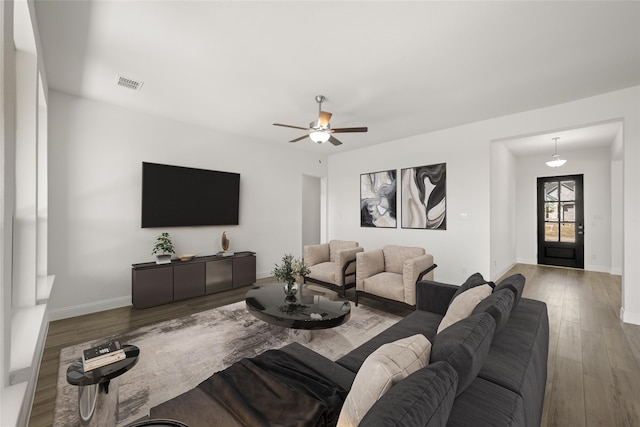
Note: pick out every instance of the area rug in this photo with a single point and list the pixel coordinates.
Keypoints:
(176, 355)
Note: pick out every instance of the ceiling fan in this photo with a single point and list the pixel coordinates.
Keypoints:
(320, 131)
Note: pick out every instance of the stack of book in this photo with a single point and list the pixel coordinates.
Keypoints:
(102, 355)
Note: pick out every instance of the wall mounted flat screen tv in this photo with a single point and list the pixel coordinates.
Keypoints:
(175, 196)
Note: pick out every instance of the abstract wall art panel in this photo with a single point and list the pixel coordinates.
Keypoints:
(378, 199)
(424, 197)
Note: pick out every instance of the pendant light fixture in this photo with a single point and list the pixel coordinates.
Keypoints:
(556, 162)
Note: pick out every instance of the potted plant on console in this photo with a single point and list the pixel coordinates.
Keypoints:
(163, 249)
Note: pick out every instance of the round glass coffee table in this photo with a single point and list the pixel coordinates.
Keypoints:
(313, 307)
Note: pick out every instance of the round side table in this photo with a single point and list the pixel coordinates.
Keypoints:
(98, 388)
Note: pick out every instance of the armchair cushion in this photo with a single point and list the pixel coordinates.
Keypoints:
(315, 254)
(387, 285)
(336, 246)
(411, 270)
(327, 261)
(395, 256)
(368, 264)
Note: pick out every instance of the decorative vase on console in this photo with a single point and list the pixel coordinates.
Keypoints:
(291, 271)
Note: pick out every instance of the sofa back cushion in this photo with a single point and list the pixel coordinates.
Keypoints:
(386, 366)
(515, 284)
(424, 398)
(474, 280)
(338, 245)
(394, 256)
(462, 306)
(498, 305)
(464, 345)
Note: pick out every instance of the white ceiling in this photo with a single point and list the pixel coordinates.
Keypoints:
(400, 68)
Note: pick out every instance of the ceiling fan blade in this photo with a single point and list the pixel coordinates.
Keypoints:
(324, 118)
(343, 130)
(334, 141)
(290, 126)
(298, 139)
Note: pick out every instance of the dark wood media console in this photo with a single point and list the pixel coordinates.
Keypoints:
(155, 284)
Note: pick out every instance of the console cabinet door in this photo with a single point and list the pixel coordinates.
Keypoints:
(244, 271)
(188, 281)
(153, 286)
(219, 275)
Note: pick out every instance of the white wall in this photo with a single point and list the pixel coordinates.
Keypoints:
(469, 246)
(459, 251)
(96, 151)
(595, 165)
(503, 210)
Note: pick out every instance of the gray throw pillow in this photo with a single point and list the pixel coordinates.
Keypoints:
(464, 345)
(498, 305)
(515, 284)
(474, 280)
(424, 398)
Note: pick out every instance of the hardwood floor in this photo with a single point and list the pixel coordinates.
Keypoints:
(594, 359)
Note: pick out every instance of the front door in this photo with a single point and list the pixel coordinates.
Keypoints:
(561, 221)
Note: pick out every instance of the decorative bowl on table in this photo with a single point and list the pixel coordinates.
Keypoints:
(187, 257)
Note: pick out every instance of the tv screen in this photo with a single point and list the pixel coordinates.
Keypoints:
(174, 196)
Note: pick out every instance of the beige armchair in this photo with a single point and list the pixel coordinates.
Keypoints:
(390, 274)
(332, 264)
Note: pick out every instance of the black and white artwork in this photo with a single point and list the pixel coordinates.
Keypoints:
(424, 197)
(378, 199)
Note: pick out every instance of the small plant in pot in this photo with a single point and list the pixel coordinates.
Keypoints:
(163, 249)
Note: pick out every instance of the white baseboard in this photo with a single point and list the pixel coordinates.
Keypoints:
(616, 271)
(92, 307)
(628, 317)
(502, 273)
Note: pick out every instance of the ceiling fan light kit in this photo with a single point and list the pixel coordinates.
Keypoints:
(556, 161)
(320, 130)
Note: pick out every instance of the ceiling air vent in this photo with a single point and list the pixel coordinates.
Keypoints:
(128, 83)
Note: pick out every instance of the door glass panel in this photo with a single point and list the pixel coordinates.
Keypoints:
(567, 190)
(550, 211)
(568, 211)
(551, 231)
(551, 191)
(567, 232)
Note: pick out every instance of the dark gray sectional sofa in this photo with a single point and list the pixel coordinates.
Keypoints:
(486, 370)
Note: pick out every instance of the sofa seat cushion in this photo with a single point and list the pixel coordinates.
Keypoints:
(385, 284)
(462, 306)
(424, 398)
(325, 272)
(385, 367)
(498, 305)
(418, 322)
(485, 404)
(464, 345)
(517, 359)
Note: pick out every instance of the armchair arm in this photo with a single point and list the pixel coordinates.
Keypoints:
(315, 254)
(434, 296)
(345, 264)
(368, 264)
(414, 270)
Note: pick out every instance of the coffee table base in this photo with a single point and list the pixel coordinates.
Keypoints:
(302, 336)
